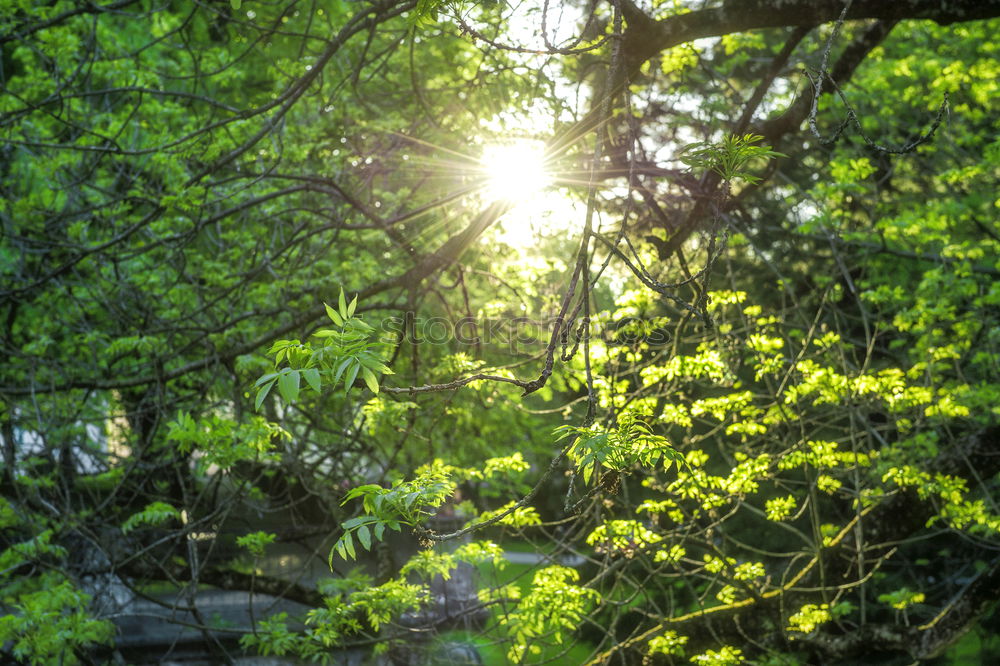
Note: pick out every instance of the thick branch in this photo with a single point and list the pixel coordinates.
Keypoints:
(774, 130)
(644, 37)
(742, 15)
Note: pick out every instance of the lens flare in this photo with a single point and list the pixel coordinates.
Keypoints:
(515, 171)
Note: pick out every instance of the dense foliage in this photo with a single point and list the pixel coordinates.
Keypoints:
(726, 391)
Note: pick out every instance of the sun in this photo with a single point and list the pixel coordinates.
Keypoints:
(517, 173)
(515, 170)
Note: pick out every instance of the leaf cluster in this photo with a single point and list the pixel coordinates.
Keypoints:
(345, 351)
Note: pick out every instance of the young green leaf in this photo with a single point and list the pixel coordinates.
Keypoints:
(333, 315)
(340, 370)
(365, 537)
(288, 386)
(359, 325)
(352, 374)
(342, 302)
(265, 378)
(372, 362)
(370, 379)
(262, 393)
(312, 378)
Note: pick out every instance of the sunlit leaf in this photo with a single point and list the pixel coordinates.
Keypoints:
(370, 379)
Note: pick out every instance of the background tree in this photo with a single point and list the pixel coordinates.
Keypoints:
(760, 314)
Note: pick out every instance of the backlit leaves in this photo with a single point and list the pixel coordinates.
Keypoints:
(349, 349)
(729, 158)
(629, 444)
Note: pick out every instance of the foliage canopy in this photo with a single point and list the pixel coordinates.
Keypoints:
(726, 391)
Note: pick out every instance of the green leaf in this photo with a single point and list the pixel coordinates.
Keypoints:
(264, 378)
(236, 4)
(340, 370)
(352, 306)
(288, 386)
(343, 305)
(370, 379)
(565, 431)
(312, 378)
(154, 514)
(332, 314)
(359, 325)
(352, 374)
(369, 360)
(262, 393)
(367, 489)
(349, 546)
(365, 537)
